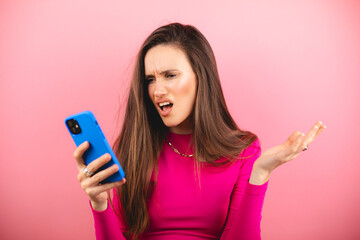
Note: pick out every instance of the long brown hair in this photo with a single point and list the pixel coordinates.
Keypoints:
(140, 142)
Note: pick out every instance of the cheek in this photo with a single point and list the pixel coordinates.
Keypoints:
(150, 91)
(187, 85)
(189, 88)
(187, 91)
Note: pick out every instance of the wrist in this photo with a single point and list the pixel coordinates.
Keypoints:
(99, 206)
(259, 176)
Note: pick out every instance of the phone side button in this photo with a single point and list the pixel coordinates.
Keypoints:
(102, 134)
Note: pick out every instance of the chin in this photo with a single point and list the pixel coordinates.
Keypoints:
(179, 124)
(170, 124)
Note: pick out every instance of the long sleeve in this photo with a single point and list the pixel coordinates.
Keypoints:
(246, 202)
(107, 225)
(225, 205)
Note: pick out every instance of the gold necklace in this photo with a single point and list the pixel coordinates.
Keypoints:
(177, 151)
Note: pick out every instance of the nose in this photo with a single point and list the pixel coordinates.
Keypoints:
(160, 89)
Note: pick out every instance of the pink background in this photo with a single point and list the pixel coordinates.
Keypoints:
(283, 65)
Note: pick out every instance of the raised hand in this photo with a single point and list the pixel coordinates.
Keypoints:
(278, 155)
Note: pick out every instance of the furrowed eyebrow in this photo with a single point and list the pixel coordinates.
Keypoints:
(148, 76)
(167, 71)
(162, 73)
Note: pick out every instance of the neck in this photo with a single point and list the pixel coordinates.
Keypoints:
(183, 128)
(180, 131)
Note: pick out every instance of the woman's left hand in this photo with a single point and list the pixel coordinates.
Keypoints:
(278, 155)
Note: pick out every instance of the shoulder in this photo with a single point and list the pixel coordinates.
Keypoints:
(253, 150)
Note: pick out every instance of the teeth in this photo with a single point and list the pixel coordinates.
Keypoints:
(164, 104)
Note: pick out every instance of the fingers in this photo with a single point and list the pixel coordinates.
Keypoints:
(290, 148)
(92, 187)
(102, 188)
(91, 184)
(293, 137)
(78, 153)
(298, 144)
(94, 166)
(322, 128)
(299, 141)
(313, 133)
(99, 177)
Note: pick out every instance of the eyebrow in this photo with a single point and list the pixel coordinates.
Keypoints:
(163, 72)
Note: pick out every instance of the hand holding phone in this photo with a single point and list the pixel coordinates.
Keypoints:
(99, 169)
(96, 192)
(84, 127)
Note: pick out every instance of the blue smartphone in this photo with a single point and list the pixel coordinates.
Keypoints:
(84, 127)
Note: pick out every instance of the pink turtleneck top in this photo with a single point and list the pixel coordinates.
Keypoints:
(216, 203)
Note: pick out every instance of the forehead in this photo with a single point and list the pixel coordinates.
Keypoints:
(164, 57)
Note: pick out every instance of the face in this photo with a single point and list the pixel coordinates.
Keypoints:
(171, 86)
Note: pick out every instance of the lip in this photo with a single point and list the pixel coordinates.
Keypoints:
(161, 112)
(163, 100)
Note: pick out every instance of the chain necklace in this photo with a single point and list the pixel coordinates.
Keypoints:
(177, 151)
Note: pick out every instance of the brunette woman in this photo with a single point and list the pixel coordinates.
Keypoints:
(191, 172)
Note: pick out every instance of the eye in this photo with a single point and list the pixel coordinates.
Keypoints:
(149, 80)
(170, 76)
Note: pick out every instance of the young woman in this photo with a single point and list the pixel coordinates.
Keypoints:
(191, 172)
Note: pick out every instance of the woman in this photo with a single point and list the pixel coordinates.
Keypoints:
(191, 173)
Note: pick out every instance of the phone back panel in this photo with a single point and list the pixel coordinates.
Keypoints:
(91, 132)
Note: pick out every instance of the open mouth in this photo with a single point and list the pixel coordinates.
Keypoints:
(164, 106)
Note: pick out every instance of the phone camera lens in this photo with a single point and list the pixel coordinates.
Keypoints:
(73, 126)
